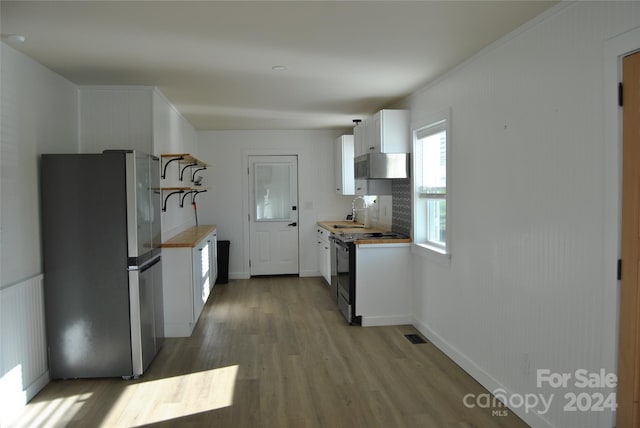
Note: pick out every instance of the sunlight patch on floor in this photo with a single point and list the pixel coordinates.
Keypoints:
(173, 397)
(55, 412)
(12, 395)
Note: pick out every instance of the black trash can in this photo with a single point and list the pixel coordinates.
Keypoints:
(223, 262)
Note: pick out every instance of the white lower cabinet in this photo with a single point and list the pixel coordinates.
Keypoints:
(324, 254)
(201, 281)
(213, 258)
(383, 284)
(189, 273)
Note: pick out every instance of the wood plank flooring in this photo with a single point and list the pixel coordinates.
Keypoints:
(275, 352)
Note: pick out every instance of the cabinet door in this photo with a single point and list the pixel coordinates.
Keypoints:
(324, 254)
(319, 245)
(372, 187)
(213, 258)
(360, 187)
(325, 269)
(359, 136)
(374, 126)
(393, 131)
(200, 277)
(344, 171)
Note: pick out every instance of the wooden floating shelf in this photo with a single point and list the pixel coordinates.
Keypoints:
(175, 188)
(180, 190)
(186, 158)
(185, 188)
(183, 161)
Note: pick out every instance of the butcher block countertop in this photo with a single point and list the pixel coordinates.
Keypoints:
(189, 238)
(374, 240)
(359, 228)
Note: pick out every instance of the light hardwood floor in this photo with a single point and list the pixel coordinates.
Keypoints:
(275, 352)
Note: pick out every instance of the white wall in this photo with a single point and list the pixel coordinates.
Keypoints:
(526, 289)
(139, 118)
(173, 134)
(42, 113)
(226, 151)
(39, 115)
(116, 117)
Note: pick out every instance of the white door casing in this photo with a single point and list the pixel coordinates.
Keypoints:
(273, 215)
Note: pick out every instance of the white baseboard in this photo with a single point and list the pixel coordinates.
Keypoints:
(37, 385)
(239, 275)
(376, 321)
(178, 329)
(476, 372)
(308, 273)
(247, 275)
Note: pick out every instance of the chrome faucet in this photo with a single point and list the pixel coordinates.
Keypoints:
(353, 206)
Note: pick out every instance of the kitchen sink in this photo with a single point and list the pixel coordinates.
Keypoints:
(350, 226)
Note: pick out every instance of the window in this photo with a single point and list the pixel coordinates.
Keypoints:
(430, 189)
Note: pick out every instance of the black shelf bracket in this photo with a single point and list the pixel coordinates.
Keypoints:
(164, 205)
(164, 170)
(193, 175)
(184, 196)
(193, 192)
(185, 167)
(193, 201)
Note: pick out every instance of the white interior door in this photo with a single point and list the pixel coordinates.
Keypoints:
(273, 201)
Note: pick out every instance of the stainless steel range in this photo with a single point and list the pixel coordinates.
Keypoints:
(346, 278)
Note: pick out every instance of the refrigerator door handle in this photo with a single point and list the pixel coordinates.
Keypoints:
(150, 264)
(146, 265)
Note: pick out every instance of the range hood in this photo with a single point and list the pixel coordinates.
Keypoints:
(381, 166)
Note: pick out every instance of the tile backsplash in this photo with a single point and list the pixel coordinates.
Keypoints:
(401, 206)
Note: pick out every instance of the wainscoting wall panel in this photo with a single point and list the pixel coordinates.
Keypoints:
(23, 345)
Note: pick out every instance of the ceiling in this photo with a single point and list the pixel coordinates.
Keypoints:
(213, 60)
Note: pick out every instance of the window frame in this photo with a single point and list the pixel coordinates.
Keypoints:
(431, 124)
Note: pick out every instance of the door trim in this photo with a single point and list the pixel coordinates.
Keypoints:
(614, 50)
(283, 228)
(246, 208)
(629, 378)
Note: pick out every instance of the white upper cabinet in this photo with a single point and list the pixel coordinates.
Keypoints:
(359, 139)
(387, 131)
(343, 152)
(371, 128)
(372, 187)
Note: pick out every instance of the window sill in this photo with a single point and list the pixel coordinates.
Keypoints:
(434, 254)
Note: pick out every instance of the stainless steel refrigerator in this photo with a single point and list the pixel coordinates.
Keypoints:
(102, 267)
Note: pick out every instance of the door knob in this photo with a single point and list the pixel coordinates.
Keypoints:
(293, 224)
